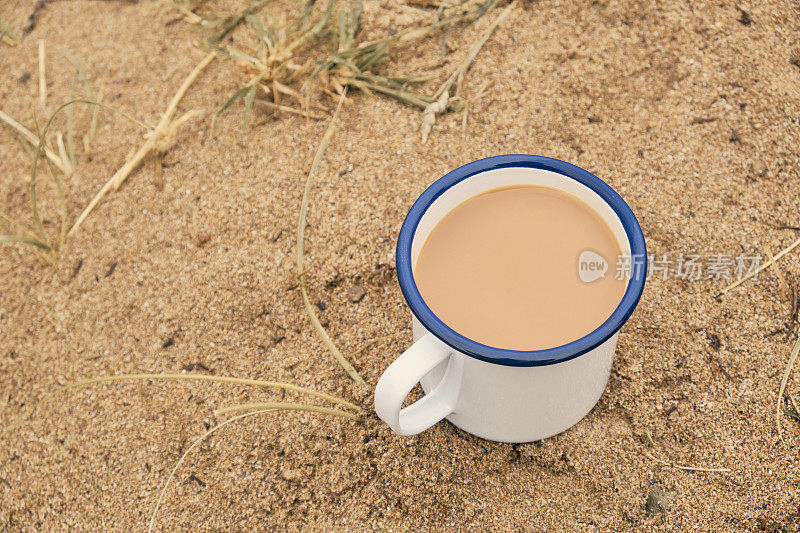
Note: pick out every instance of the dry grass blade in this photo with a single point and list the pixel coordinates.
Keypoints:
(248, 105)
(89, 137)
(367, 345)
(38, 235)
(190, 79)
(786, 373)
(6, 37)
(14, 222)
(309, 35)
(25, 240)
(287, 109)
(304, 22)
(442, 95)
(26, 146)
(62, 153)
(301, 228)
(79, 77)
(188, 15)
(192, 447)
(407, 97)
(42, 81)
(785, 290)
(160, 137)
(755, 273)
(684, 467)
(29, 136)
(28, 237)
(464, 66)
(347, 23)
(462, 12)
(233, 22)
(239, 94)
(38, 232)
(284, 407)
(174, 377)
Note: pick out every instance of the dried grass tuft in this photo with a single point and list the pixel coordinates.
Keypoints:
(283, 53)
(45, 248)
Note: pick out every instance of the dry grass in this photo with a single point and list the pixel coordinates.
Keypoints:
(763, 266)
(786, 373)
(166, 125)
(301, 231)
(442, 96)
(279, 59)
(6, 35)
(263, 408)
(36, 236)
(685, 467)
(30, 137)
(159, 138)
(172, 377)
(272, 65)
(771, 262)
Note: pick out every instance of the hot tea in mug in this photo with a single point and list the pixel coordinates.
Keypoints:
(501, 268)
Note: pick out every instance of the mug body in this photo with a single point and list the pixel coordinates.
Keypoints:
(522, 404)
(495, 393)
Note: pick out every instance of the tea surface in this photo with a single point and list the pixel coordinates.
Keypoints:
(502, 268)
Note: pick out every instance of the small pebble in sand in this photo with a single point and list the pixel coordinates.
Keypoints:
(759, 168)
(356, 293)
(794, 59)
(658, 500)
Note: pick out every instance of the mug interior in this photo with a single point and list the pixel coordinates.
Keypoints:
(502, 171)
(509, 176)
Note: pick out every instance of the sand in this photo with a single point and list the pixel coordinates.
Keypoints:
(690, 110)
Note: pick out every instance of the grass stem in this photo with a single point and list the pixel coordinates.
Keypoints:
(684, 467)
(755, 273)
(174, 377)
(29, 136)
(786, 373)
(274, 407)
(42, 80)
(163, 132)
(301, 229)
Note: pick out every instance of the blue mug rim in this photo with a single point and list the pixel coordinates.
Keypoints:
(502, 356)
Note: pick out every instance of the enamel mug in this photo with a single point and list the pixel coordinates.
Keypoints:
(499, 394)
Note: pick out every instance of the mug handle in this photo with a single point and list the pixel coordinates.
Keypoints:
(404, 373)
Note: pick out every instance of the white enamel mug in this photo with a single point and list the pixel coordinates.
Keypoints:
(499, 394)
